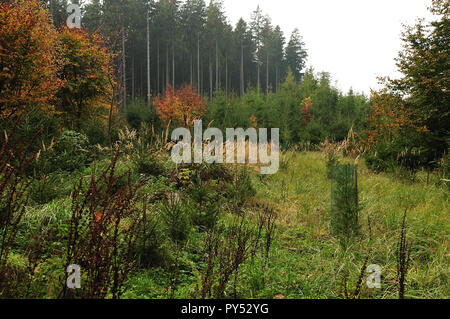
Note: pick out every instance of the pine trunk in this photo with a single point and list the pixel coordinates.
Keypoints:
(124, 79)
(267, 75)
(217, 65)
(148, 62)
(173, 65)
(226, 75)
(210, 77)
(167, 66)
(191, 70)
(132, 79)
(157, 69)
(258, 85)
(198, 64)
(242, 70)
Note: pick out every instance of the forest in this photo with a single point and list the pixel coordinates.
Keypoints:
(93, 206)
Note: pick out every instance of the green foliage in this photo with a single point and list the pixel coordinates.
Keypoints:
(205, 205)
(95, 132)
(71, 151)
(139, 113)
(33, 121)
(444, 170)
(16, 269)
(203, 231)
(332, 160)
(103, 230)
(396, 159)
(344, 202)
(151, 250)
(333, 114)
(241, 190)
(411, 112)
(86, 72)
(176, 218)
(49, 187)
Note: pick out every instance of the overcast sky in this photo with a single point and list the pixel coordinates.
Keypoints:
(354, 40)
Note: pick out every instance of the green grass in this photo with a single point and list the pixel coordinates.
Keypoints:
(307, 262)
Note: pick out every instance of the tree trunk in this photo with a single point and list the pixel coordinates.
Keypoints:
(217, 65)
(242, 70)
(132, 79)
(148, 62)
(51, 9)
(157, 70)
(191, 70)
(167, 66)
(141, 80)
(258, 85)
(210, 77)
(267, 75)
(276, 78)
(124, 70)
(173, 64)
(198, 64)
(226, 75)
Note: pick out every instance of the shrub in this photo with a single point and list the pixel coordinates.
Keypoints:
(148, 165)
(17, 270)
(138, 114)
(315, 133)
(32, 121)
(339, 131)
(140, 150)
(386, 157)
(344, 202)
(96, 133)
(150, 248)
(175, 216)
(14, 161)
(241, 190)
(215, 171)
(227, 248)
(103, 230)
(332, 159)
(49, 187)
(205, 206)
(70, 152)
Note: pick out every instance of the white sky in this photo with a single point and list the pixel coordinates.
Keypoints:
(354, 40)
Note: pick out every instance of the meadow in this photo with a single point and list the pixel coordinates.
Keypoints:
(93, 206)
(307, 262)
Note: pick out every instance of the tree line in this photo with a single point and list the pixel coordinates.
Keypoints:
(172, 42)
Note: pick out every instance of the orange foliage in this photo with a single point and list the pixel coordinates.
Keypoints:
(254, 121)
(389, 117)
(86, 71)
(29, 60)
(306, 103)
(181, 107)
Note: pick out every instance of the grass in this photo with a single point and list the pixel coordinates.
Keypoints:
(307, 261)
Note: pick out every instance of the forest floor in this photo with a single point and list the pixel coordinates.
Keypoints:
(306, 261)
